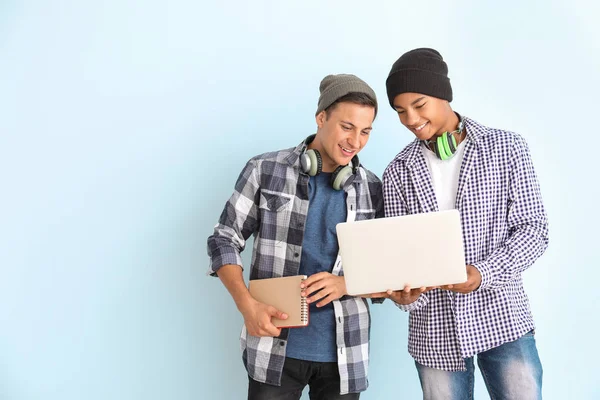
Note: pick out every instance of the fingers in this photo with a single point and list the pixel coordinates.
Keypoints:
(313, 278)
(273, 312)
(325, 290)
(310, 289)
(406, 295)
(327, 284)
(266, 328)
(263, 325)
(262, 328)
(320, 295)
(377, 295)
(326, 300)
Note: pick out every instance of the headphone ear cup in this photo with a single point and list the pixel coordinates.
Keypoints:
(342, 177)
(446, 143)
(442, 146)
(311, 162)
(452, 143)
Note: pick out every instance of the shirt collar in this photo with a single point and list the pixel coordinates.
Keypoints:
(475, 132)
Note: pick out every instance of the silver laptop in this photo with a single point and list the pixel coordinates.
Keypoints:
(389, 253)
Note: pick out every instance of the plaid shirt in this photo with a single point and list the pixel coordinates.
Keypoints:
(505, 230)
(270, 201)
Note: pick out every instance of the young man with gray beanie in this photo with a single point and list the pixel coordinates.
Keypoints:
(290, 201)
(487, 174)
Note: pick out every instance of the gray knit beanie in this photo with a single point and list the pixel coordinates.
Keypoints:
(335, 86)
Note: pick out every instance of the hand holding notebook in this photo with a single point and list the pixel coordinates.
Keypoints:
(285, 295)
(323, 287)
(258, 318)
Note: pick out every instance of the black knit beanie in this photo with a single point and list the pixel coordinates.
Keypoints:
(419, 71)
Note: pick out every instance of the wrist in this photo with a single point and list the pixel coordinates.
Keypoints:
(245, 302)
(343, 286)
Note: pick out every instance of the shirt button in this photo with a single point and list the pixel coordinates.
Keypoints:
(282, 343)
(296, 255)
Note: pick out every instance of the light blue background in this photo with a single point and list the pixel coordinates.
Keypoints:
(124, 125)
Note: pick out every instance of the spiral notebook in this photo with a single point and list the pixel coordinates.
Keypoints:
(284, 294)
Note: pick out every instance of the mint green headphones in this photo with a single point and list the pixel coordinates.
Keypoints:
(444, 146)
(312, 164)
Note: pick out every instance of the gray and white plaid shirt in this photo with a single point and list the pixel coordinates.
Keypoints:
(505, 229)
(270, 201)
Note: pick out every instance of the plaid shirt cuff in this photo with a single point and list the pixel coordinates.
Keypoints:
(223, 256)
(421, 302)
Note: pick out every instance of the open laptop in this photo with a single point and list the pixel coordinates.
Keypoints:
(389, 253)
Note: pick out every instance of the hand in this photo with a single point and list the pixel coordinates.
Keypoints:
(331, 287)
(257, 318)
(405, 296)
(473, 282)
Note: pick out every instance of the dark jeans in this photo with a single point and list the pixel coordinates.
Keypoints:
(323, 379)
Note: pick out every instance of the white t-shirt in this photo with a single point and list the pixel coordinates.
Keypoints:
(444, 175)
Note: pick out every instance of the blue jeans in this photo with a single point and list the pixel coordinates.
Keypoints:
(510, 371)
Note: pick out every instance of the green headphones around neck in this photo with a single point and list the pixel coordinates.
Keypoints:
(444, 146)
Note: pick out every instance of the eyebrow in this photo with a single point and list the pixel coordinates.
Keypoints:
(354, 126)
(412, 104)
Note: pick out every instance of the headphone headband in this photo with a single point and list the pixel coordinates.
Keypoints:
(445, 146)
(355, 162)
(311, 163)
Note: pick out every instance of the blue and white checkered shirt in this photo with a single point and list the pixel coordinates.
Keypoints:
(270, 202)
(505, 229)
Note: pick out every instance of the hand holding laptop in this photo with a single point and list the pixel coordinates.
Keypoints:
(404, 296)
(407, 295)
(473, 282)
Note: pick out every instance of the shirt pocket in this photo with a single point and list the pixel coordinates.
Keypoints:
(273, 201)
(275, 213)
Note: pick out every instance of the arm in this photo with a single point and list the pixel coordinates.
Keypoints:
(527, 225)
(257, 316)
(238, 221)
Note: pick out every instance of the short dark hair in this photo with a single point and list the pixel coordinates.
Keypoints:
(362, 99)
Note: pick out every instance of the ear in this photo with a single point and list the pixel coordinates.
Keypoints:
(320, 118)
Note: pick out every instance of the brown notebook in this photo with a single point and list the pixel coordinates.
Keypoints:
(284, 294)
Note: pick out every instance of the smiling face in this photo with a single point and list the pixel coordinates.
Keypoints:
(342, 132)
(425, 116)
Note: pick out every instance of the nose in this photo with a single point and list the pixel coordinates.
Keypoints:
(410, 117)
(354, 139)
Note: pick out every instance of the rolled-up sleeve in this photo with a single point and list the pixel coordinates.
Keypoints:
(238, 221)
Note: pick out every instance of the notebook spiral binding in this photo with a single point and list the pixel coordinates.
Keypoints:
(304, 309)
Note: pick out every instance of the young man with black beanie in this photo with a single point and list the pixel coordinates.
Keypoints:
(487, 174)
(290, 201)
